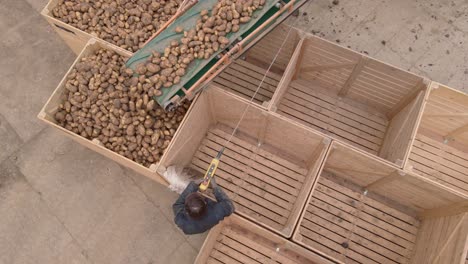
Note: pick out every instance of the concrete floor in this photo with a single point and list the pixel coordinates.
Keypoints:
(62, 203)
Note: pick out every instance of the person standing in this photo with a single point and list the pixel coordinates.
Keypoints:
(195, 214)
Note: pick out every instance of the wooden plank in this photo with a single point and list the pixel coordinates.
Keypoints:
(433, 160)
(334, 190)
(283, 162)
(308, 119)
(327, 67)
(253, 210)
(329, 219)
(222, 257)
(360, 236)
(240, 90)
(450, 115)
(332, 114)
(252, 244)
(255, 72)
(248, 82)
(258, 69)
(384, 180)
(287, 76)
(356, 71)
(296, 67)
(252, 167)
(233, 253)
(262, 189)
(330, 239)
(446, 210)
(442, 240)
(461, 130)
(422, 85)
(272, 185)
(244, 249)
(368, 219)
(353, 108)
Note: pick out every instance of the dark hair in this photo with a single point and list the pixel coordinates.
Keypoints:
(195, 205)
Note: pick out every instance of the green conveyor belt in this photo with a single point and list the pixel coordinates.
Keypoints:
(199, 67)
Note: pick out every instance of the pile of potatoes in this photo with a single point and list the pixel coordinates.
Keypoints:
(107, 101)
(125, 23)
(104, 101)
(200, 42)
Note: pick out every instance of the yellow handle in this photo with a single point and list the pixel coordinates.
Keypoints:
(209, 174)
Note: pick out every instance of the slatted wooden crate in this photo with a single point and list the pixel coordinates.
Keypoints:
(246, 73)
(267, 169)
(440, 148)
(48, 111)
(75, 38)
(236, 240)
(362, 210)
(353, 98)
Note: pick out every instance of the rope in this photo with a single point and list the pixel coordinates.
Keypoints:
(258, 88)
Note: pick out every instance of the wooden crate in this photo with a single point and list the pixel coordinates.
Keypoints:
(236, 240)
(75, 38)
(246, 73)
(353, 98)
(362, 210)
(440, 148)
(48, 111)
(267, 169)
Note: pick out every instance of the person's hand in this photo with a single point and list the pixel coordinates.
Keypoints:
(213, 183)
(198, 181)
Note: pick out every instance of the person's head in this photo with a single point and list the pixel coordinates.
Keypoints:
(195, 205)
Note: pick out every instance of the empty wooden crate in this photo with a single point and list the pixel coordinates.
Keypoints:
(267, 168)
(236, 240)
(353, 98)
(440, 148)
(246, 73)
(364, 211)
(52, 106)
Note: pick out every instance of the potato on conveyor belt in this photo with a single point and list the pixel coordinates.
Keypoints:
(207, 36)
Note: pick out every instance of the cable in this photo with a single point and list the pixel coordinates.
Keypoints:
(215, 162)
(256, 91)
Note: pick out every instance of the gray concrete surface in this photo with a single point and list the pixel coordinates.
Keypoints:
(62, 203)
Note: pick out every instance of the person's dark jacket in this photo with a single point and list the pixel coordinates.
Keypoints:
(215, 211)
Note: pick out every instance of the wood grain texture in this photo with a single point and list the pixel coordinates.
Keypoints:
(237, 240)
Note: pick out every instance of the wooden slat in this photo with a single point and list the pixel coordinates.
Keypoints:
(407, 99)
(330, 115)
(243, 78)
(383, 180)
(262, 185)
(435, 160)
(356, 70)
(326, 67)
(458, 131)
(442, 240)
(375, 232)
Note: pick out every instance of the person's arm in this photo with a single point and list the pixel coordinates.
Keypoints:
(179, 205)
(222, 198)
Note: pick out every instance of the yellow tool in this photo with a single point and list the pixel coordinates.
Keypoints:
(211, 171)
